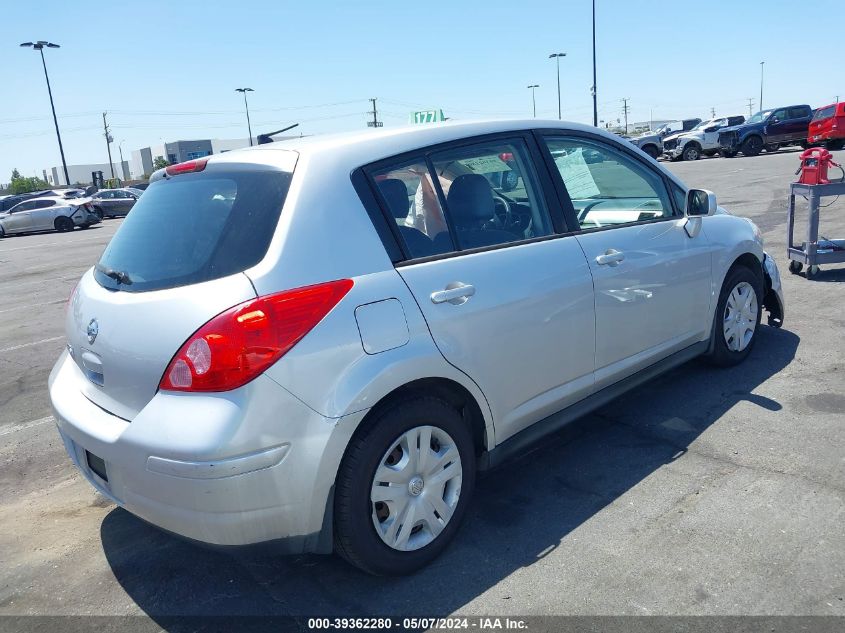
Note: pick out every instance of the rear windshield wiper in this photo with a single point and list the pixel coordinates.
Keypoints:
(118, 275)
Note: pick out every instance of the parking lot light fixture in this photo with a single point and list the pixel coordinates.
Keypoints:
(246, 106)
(533, 100)
(39, 46)
(557, 57)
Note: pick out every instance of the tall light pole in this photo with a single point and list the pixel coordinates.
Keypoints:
(762, 64)
(595, 98)
(39, 46)
(557, 57)
(246, 106)
(533, 100)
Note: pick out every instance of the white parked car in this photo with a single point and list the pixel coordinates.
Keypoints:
(48, 213)
(703, 140)
(319, 342)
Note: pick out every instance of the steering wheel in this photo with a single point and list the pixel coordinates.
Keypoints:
(503, 217)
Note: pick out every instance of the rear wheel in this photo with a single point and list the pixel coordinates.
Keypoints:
(752, 146)
(737, 317)
(63, 224)
(727, 153)
(2, 232)
(99, 212)
(692, 151)
(835, 145)
(403, 487)
(772, 147)
(651, 150)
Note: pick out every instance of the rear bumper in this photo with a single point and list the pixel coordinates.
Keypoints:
(250, 466)
(830, 135)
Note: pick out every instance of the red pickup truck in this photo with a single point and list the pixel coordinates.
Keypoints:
(828, 126)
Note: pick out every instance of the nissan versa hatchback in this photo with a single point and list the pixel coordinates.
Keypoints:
(334, 335)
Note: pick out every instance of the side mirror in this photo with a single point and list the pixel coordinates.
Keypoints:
(700, 202)
(774, 119)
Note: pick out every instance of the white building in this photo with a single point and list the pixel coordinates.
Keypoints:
(82, 173)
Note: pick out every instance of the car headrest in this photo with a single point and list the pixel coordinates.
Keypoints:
(470, 200)
(396, 195)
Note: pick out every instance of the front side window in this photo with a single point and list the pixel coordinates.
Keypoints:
(606, 186)
(780, 115)
(492, 195)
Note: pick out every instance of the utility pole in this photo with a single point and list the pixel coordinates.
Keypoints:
(625, 109)
(750, 106)
(713, 112)
(762, 64)
(375, 122)
(109, 139)
(595, 89)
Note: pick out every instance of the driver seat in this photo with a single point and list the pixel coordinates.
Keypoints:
(472, 208)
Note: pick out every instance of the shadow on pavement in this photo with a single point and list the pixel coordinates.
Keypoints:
(520, 513)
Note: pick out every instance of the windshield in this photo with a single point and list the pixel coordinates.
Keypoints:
(196, 227)
(759, 117)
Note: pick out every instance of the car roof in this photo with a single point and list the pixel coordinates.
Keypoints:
(350, 150)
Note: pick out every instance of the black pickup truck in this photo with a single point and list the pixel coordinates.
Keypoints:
(769, 130)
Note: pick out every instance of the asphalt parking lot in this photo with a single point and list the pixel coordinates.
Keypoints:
(707, 492)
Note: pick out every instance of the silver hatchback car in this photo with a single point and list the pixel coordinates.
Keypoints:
(333, 335)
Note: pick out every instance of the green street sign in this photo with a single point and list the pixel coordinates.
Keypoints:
(426, 116)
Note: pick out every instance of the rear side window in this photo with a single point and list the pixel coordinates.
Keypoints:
(799, 112)
(195, 227)
(824, 113)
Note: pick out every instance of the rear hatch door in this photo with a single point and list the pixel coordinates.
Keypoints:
(176, 262)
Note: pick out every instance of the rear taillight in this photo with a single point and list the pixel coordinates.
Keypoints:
(240, 343)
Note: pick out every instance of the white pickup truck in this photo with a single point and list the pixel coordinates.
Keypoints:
(702, 140)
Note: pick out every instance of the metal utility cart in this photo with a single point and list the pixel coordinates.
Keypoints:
(812, 253)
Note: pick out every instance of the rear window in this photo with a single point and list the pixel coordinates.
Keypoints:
(195, 227)
(824, 113)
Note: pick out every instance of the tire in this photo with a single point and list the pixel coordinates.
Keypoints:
(812, 272)
(804, 144)
(710, 153)
(85, 226)
(651, 150)
(63, 224)
(734, 333)
(835, 146)
(772, 148)
(752, 146)
(692, 151)
(727, 153)
(2, 232)
(363, 527)
(99, 212)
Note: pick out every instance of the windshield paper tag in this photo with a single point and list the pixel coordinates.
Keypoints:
(577, 176)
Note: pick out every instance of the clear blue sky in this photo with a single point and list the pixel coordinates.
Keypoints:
(167, 70)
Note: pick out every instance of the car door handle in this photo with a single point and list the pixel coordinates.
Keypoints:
(611, 257)
(455, 295)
